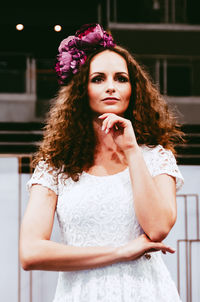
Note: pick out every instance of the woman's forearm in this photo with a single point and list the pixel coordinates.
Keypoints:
(53, 256)
(152, 210)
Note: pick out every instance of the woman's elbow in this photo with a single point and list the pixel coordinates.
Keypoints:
(27, 257)
(26, 262)
(158, 236)
(161, 233)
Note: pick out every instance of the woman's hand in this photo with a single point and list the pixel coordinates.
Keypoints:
(121, 130)
(140, 246)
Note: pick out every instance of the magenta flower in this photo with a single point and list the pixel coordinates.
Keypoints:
(64, 43)
(65, 60)
(73, 50)
(92, 35)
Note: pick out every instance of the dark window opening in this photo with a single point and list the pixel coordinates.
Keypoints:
(47, 84)
(12, 74)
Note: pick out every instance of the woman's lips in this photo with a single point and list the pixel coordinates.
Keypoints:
(110, 100)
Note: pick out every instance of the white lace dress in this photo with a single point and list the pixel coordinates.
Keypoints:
(99, 211)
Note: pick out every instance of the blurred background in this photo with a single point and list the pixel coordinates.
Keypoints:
(164, 36)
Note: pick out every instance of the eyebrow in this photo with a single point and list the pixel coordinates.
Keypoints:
(102, 73)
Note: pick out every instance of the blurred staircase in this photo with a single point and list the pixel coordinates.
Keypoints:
(20, 138)
(189, 152)
(24, 138)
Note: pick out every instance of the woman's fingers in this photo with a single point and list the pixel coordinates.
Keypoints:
(105, 122)
(142, 246)
(164, 249)
(103, 115)
(121, 130)
(159, 246)
(110, 121)
(106, 125)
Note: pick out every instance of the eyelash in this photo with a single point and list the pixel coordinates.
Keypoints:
(123, 79)
(99, 79)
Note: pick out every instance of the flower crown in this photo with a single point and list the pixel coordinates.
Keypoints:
(73, 51)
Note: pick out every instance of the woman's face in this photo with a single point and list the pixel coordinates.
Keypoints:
(109, 87)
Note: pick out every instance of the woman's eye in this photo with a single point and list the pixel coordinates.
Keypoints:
(97, 79)
(122, 79)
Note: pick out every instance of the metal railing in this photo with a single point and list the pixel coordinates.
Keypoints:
(188, 241)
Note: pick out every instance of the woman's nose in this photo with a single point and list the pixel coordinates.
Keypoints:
(110, 90)
(110, 87)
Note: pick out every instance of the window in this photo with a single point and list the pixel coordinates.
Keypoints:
(47, 84)
(155, 11)
(12, 74)
(179, 80)
(174, 76)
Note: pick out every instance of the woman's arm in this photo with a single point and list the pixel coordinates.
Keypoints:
(38, 252)
(154, 197)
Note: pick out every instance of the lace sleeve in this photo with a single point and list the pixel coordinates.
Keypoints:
(163, 161)
(45, 176)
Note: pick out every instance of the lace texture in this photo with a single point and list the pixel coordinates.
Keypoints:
(45, 176)
(99, 211)
(162, 161)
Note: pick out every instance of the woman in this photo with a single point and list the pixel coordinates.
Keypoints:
(106, 167)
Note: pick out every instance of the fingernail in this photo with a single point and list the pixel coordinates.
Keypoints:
(106, 131)
(102, 128)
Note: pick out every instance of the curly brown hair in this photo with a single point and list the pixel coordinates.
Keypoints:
(69, 138)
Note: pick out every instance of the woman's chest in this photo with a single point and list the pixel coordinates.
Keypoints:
(102, 206)
(95, 195)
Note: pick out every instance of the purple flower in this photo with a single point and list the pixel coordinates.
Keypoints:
(65, 59)
(64, 44)
(73, 51)
(93, 36)
(57, 68)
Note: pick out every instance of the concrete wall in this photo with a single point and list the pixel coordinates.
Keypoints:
(187, 108)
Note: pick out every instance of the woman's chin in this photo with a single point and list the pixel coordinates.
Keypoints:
(112, 109)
